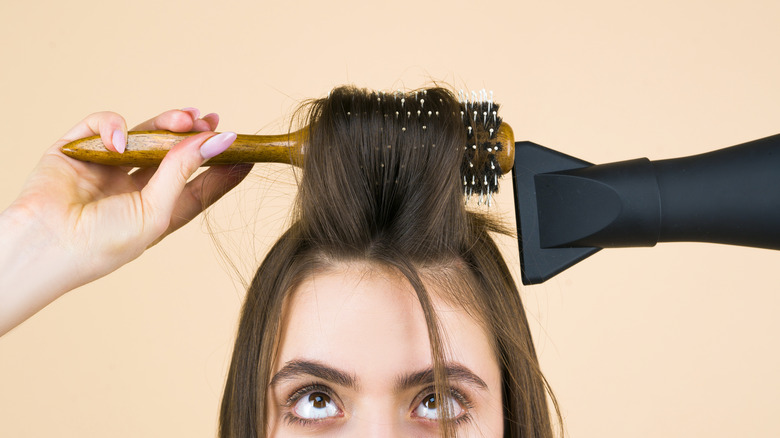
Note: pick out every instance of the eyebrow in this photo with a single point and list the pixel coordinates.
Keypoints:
(455, 373)
(299, 367)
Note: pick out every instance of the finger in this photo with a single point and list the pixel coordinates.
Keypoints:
(111, 127)
(201, 125)
(194, 112)
(166, 185)
(142, 176)
(205, 190)
(173, 120)
(213, 120)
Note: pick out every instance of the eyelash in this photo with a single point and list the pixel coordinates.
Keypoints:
(300, 392)
(292, 419)
(459, 397)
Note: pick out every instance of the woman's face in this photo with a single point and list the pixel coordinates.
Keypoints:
(355, 361)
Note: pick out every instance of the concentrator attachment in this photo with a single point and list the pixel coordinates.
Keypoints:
(568, 209)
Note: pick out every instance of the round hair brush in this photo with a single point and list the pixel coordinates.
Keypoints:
(566, 208)
(488, 152)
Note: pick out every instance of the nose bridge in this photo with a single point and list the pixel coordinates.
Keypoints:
(372, 429)
(378, 424)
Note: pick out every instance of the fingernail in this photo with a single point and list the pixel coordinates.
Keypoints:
(212, 119)
(217, 144)
(118, 138)
(194, 111)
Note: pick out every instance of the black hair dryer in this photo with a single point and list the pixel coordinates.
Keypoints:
(567, 208)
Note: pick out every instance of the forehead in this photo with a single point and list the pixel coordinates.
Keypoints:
(369, 321)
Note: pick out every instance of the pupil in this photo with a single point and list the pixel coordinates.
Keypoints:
(319, 400)
(430, 402)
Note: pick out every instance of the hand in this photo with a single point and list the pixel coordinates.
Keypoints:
(81, 220)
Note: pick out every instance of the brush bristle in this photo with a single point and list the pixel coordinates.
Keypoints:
(480, 169)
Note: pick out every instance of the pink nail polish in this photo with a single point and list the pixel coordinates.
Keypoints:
(212, 119)
(194, 111)
(119, 140)
(217, 144)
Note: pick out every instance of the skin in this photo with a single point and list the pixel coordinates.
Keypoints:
(357, 332)
(75, 222)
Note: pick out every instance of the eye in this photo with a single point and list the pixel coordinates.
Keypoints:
(430, 408)
(316, 405)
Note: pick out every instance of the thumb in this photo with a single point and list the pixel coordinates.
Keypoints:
(160, 194)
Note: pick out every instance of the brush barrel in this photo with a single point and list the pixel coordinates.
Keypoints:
(729, 196)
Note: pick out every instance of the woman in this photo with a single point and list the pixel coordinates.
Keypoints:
(385, 309)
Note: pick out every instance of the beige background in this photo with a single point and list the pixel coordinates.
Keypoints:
(676, 341)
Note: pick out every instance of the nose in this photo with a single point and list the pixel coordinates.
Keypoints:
(375, 427)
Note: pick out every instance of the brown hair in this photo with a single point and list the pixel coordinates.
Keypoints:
(381, 183)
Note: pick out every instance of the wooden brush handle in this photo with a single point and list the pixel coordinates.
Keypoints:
(147, 149)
